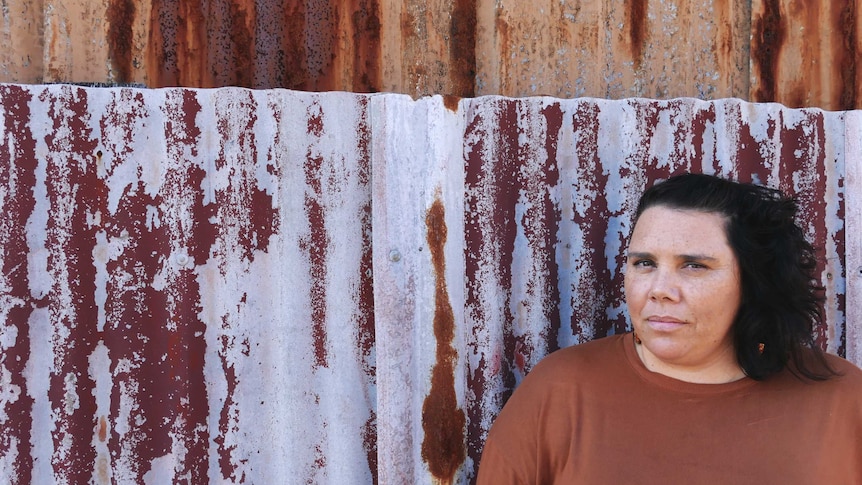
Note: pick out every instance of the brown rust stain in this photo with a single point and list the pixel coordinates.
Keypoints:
(501, 26)
(462, 48)
(451, 102)
(103, 429)
(191, 45)
(637, 17)
(366, 335)
(366, 46)
(292, 57)
(846, 55)
(317, 243)
(768, 36)
(443, 422)
(242, 44)
(321, 40)
(121, 15)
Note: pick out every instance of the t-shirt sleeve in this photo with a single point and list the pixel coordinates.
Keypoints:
(509, 455)
(513, 452)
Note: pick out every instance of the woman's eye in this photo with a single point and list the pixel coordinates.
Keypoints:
(694, 265)
(643, 263)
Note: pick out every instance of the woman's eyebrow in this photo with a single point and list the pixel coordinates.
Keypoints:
(640, 255)
(697, 257)
(683, 257)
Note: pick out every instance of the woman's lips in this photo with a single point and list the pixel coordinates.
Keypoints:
(665, 323)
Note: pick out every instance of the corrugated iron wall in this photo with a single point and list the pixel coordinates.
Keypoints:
(799, 53)
(236, 286)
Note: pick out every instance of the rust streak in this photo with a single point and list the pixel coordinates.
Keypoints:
(462, 50)
(846, 56)
(103, 429)
(243, 45)
(317, 242)
(121, 15)
(451, 102)
(767, 38)
(637, 16)
(443, 422)
(293, 57)
(366, 46)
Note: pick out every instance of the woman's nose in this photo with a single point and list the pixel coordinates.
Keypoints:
(663, 287)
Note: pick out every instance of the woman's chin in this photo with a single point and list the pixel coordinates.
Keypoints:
(667, 352)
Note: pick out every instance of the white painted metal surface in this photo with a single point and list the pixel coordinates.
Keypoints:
(226, 286)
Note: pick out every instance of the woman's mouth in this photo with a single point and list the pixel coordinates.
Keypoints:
(665, 323)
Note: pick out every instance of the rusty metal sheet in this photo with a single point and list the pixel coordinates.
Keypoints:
(22, 35)
(237, 286)
(788, 51)
(806, 51)
(320, 46)
(75, 37)
(613, 49)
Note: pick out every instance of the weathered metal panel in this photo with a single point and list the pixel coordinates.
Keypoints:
(187, 291)
(550, 189)
(22, 35)
(75, 43)
(419, 282)
(802, 51)
(614, 49)
(853, 224)
(794, 52)
(190, 288)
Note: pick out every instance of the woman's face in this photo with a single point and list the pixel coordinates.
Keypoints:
(683, 291)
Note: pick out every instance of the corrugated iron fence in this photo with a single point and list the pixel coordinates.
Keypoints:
(236, 286)
(789, 51)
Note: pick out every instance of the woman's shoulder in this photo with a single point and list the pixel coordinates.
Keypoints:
(587, 359)
(845, 385)
(848, 374)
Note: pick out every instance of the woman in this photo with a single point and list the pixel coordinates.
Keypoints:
(719, 383)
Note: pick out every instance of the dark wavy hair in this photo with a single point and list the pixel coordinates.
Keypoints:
(781, 298)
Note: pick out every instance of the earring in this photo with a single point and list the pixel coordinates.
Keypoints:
(760, 347)
(637, 339)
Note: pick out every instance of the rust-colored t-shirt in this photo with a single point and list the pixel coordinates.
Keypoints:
(594, 414)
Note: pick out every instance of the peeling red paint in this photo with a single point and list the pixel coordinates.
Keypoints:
(366, 337)
(73, 193)
(318, 240)
(442, 420)
(492, 232)
(593, 288)
(803, 175)
(163, 209)
(228, 423)
(187, 347)
(18, 163)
